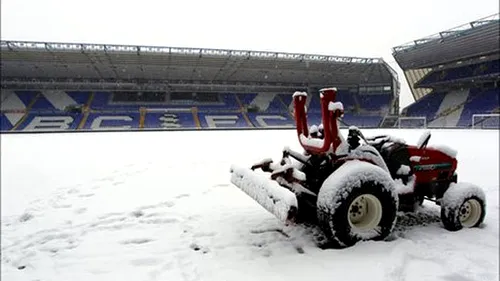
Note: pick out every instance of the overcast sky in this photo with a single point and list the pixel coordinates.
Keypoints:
(362, 28)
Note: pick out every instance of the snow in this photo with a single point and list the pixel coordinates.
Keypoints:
(277, 168)
(457, 193)
(160, 206)
(300, 155)
(332, 106)
(369, 153)
(328, 89)
(313, 142)
(402, 188)
(415, 159)
(299, 94)
(352, 127)
(351, 174)
(388, 139)
(423, 137)
(343, 147)
(444, 149)
(298, 174)
(263, 161)
(403, 170)
(313, 129)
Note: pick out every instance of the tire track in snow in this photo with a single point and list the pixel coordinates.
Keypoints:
(417, 238)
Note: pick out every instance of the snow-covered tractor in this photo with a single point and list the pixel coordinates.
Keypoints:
(354, 187)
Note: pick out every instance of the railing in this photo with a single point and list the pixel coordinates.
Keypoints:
(448, 33)
(85, 47)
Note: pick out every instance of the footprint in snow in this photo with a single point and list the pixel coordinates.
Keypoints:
(197, 248)
(86, 195)
(105, 179)
(148, 261)
(61, 206)
(204, 234)
(73, 191)
(80, 211)
(194, 246)
(137, 241)
(26, 217)
(137, 213)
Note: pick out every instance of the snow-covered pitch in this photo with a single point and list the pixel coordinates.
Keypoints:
(160, 206)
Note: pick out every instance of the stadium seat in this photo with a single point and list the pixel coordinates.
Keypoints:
(483, 102)
(427, 106)
(170, 120)
(374, 102)
(472, 71)
(348, 100)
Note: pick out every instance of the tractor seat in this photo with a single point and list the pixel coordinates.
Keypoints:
(395, 155)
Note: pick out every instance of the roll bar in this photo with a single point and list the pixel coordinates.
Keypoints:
(330, 111)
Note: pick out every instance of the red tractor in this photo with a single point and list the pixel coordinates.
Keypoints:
(353, 188)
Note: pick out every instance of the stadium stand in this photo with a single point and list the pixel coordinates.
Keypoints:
(477, 71)
(65, 86)
(454, 76)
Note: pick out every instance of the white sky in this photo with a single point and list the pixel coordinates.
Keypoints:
(362, 28)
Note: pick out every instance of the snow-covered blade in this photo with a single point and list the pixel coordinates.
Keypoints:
(276, 199)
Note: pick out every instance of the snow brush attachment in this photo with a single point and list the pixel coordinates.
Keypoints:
(276, 199)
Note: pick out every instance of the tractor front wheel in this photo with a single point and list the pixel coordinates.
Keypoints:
(463, 206)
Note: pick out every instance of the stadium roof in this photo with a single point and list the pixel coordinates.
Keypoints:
(94, 66)
(474, 39)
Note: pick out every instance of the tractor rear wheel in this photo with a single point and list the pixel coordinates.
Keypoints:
(357, 202)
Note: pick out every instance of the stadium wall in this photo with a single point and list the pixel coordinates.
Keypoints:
(121, 122)
(62, 111)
